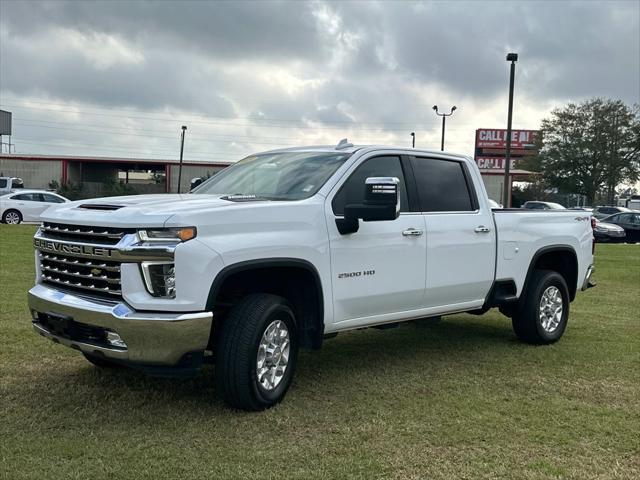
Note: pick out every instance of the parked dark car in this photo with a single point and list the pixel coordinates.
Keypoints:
(602, 212)
(537, 205)
(608, 232)
(629, 221)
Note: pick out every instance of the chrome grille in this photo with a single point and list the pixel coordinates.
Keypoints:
(80, 272)
(86, 275)
(84, 234)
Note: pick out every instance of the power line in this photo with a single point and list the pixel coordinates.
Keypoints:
(233, 155)
(352, 126)
(248, 118)
(169, 132)
(200, 138)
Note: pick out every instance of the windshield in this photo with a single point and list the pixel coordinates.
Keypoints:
(275, 176)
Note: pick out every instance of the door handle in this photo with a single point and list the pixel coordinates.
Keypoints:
(482, 229)
(412, 232)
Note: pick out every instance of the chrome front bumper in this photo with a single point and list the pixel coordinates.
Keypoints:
(150, 338)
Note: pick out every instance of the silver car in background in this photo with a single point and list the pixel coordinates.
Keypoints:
(27, 205)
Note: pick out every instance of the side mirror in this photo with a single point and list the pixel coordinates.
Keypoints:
(381, 203)
(195, 182)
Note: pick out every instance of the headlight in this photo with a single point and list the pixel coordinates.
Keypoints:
(160, 278)
(600, 229)
(180, 234)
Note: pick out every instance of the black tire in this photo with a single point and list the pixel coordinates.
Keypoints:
(14, 211)
(101, 362)
(237, 352)
(526, 320)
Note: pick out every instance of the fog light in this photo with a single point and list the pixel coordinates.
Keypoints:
(160, 279)
(114, 339)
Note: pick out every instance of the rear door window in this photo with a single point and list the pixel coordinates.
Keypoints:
(443, 186)
(52, 198)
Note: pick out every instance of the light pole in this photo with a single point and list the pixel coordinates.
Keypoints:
(444, 116)
(184, 129)
(506, 191)
(413, 139)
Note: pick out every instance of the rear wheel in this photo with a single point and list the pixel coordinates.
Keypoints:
(542, 315)
(256, 352)
(12, 217)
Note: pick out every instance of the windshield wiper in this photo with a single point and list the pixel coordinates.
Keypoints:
(250, 197)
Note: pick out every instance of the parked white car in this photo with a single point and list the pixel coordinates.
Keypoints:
(27, 205)
(289, 247)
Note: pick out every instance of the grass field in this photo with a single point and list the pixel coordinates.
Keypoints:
(453, 400)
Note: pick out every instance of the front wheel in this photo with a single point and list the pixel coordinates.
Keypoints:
(12, 217)
(541, 318)
(256, 352)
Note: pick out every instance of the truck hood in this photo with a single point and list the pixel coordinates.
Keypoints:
(134, 210)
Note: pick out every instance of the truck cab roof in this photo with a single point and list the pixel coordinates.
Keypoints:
(350, 148)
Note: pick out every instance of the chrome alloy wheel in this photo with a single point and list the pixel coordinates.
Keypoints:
(551, 307)
(273, 355)
(12, 218)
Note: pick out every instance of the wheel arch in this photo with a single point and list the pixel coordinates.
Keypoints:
(559, 258)
(280, 274)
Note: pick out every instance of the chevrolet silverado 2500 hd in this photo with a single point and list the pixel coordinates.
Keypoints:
(287, 247)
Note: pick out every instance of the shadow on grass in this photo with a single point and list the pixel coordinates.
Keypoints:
(350, 359)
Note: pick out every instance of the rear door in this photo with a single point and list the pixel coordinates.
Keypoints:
(460, 233)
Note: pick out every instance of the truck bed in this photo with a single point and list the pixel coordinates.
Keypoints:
(521, 234)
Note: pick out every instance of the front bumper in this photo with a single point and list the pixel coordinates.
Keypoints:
(612, 236)
(152, 339)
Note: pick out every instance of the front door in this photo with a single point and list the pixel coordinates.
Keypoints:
(380, 269)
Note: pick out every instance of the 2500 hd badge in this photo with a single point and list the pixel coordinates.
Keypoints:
(356, 274)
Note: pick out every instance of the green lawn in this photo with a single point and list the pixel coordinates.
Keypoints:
(458, 399)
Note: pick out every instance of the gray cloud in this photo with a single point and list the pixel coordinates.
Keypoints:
(371, 69)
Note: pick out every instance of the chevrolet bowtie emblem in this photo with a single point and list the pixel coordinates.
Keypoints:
(96, 271)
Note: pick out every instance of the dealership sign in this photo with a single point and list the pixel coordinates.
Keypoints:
(494, 163)
(491, 148)
(497, 138)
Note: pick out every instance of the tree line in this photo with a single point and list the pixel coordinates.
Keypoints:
(590, 148)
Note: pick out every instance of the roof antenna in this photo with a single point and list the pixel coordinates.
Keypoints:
(344, 143)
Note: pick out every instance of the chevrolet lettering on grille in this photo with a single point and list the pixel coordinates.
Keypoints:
(71, 249)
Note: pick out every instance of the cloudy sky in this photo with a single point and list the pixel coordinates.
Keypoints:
(120, 78)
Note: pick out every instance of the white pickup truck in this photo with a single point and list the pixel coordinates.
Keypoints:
(289, 247)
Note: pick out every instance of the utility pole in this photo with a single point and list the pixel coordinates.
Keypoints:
(413, 139)
(184, 129)
(444, 116)
(506, 201)
(613, 161)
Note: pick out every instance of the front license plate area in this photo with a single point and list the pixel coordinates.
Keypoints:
(59, 324)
